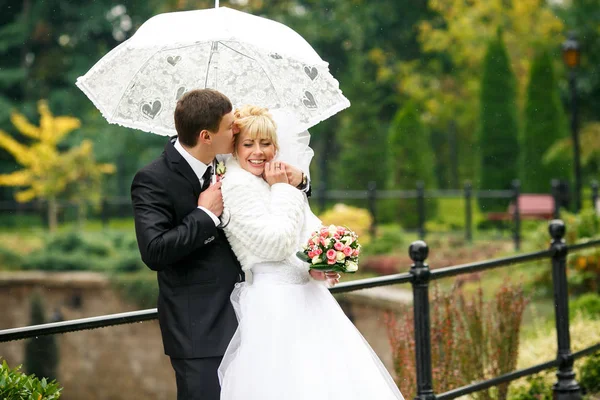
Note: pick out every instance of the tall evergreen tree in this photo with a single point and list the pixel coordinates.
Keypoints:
(498, 125)
(545, 124)
(411, 160)
(41, 353)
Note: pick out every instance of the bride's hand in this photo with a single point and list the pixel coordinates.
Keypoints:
(332, 278)
(294, 174)
(275, 172)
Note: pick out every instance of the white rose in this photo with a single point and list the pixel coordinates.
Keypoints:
(316, 260)
(332, 230)
(339, 256)
(351, 266)
(348, 240)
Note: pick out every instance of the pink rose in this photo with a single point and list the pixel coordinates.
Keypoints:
(324, 233)
(331, 261)
(338, 246)
(356, 252)
(331, 254)
(311, 254)
(347, 251)
(318, 251)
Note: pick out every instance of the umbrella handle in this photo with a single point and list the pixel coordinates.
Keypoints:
(216, 3)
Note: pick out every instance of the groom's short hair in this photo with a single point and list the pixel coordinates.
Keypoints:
(198, 110)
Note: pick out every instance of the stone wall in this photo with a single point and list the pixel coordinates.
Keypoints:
(127, 361)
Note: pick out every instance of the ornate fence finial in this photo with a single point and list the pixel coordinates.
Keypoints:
(557, 229)
(418, 251)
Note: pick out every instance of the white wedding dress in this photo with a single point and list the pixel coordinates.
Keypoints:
(293, 341)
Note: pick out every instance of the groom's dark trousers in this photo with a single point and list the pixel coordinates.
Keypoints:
(196, 271)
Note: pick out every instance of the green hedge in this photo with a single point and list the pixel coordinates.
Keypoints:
(77, 251)
(15, 385)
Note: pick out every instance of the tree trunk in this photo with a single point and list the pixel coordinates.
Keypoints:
(52, 214)
(81, 214)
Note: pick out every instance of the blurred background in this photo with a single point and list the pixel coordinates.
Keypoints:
(471, 124)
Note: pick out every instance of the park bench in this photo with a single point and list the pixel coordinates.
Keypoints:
(531, 206)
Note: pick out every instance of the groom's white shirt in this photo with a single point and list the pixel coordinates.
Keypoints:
(199, 169)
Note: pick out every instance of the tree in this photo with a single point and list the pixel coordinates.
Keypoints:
(47, 172)
(545, 124)
(85, 177)
(41, 353)
(583, 18)
(411, 160)
(498, 125)
(445, 79)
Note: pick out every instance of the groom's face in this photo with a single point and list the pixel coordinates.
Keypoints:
(222, 140)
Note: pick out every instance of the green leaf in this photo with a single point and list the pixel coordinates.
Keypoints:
(303, 256)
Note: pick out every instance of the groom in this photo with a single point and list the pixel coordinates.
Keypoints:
(176, 213)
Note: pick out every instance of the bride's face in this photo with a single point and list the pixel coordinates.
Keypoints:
(252, 154)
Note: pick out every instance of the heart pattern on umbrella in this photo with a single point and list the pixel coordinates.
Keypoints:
(151, 110)
(311, 72)
(309, 100)
(180, 92)
(173, 60)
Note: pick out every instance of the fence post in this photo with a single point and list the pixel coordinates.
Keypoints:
(468, 212)
(418, 252)
(594, 195)
(421, 208)
(566, 388)
(516, 184)
(556, 196)
(372, 200)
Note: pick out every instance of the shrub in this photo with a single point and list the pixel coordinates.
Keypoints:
(590, 374)
(357, 219)
(380, 264)
(108, 252)
(15, 385)
(41, 353)
(583, 267)
(587, 304)
(9, 259)
(389, 239)
(471, 340)
(535, 388)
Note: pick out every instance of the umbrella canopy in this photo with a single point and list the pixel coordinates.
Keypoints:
(252, 60)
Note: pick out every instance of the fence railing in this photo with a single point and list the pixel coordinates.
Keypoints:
(121, 206)
(419, 276)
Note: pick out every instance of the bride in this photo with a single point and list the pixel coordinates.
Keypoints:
(293, 341)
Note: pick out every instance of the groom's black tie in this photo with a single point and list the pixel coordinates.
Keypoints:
(206, 178)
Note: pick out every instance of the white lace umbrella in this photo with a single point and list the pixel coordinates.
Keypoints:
(250, 59)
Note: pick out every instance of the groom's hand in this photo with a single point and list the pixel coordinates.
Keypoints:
(212, 199)
(294, 175)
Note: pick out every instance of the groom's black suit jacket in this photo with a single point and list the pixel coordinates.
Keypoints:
(196, 267)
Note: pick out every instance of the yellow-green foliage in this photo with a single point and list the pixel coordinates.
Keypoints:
(47, 172)
(357, 219)
(541, 346)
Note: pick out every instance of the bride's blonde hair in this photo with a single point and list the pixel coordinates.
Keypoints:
(257, 122)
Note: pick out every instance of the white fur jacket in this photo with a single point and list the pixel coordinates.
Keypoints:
(267, 223)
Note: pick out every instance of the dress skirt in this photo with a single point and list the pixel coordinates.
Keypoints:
(294, 342)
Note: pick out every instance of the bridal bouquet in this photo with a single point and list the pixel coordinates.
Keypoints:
(333, 248)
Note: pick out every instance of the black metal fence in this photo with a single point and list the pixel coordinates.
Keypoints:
(120, 207)
(371, 195)
(420, 276)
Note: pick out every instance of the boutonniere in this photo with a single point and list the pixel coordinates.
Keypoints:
(220, 170)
